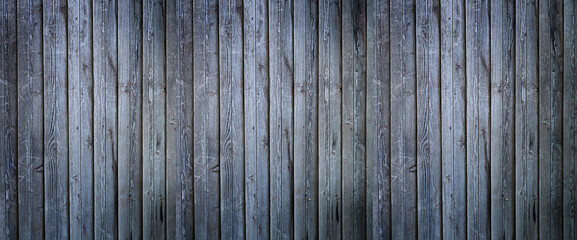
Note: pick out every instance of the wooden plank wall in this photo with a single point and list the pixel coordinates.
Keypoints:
(288, 119)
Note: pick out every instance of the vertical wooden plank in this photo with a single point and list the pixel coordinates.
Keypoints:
(353, 119)
(232, 119)
(130, 119)
(8, 121)
(80, 89)
(550, 166)
(330, 206)
(206, 120)
(305, 119)
(379, 116)
(453, 135)
(502, 119)
(428, 119)
(55, 120)
(281, 118)
(105, 121)
(570, 120)
(256, 127)
(403, 121)
(153, 120)
(179, 126)
(30, 121)
(526, 120)
(478, 158)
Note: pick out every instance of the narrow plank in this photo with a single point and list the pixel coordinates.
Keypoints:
(570, 120)
(550, 168)
(130, 119)
(30, 121)
(105, 119)
(80, 120)
(330, 197)
(370, 111)
(281, 118)
(403, 121)
(526, 122)
(453, 168)
(428, 119)
(55, 120)
(206, 120)
(256, 85)
(353, 119)
(154, 120)
(179, 170)
(305, 119)
(8, 121)
(231, 119)
(502, 119)
(477, 118)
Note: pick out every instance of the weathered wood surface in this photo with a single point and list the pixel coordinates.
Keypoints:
(259, 119)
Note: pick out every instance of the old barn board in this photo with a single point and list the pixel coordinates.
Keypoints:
(502, 119)
(8, 121)
(570, 119)
(256, 139)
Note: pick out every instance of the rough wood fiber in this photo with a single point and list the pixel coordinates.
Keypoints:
(55, 120)
(403, 120)
(570, 120)
(256, 140)
(206, 120)
(330, 197)
(130, 119)
(8, 121)
(353, 129)
(154, 120)
(80, 120)
(478, 139)
(281, 118)
(305, 117)
(550, 119)
(526, 120)
(502, 119)
(105, 119)
(379, 116)
(30, 121)
(179, 128)
(453, 167)
(428, 119)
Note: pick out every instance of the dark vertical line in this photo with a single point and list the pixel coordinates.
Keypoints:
(466, 162)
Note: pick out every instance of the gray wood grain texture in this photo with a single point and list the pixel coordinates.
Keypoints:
(179, 126)
(569, 119)
(353, 39)
(30, 121)
(502, 119)
(256, 119)
(330, 92)
(80, 120)
(105, 118)
(206, 120)
(477, 119)
(55, 120)
(550, 168)
(428, 70)
(8, 121)
(453, 132)
(130, 119)
(526, 120)
(231, 119)
(154, 120)
(281, 119)
(305, 120)
(379, 116)
(403, 120)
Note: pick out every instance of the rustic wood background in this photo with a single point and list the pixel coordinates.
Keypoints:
(282, 119)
